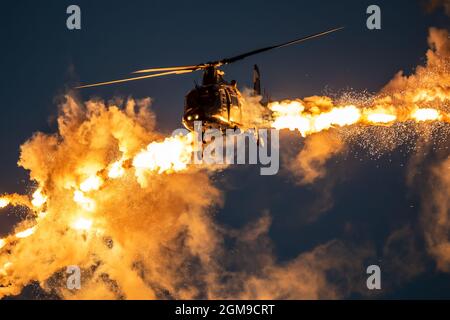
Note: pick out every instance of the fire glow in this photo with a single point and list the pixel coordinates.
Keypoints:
(26, 233)
(110, 168)
(166, 157)
(82, 224)
(292, 115)
(3, 203)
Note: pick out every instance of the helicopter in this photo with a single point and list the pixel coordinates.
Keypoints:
(216, 103)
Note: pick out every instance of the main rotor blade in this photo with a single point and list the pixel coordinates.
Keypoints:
(188, 69)
(245, 55)
(169, 69)
(133, 79)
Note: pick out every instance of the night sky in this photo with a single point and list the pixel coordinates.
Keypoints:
(41, 58)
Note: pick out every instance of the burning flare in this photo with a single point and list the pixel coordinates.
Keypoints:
(294, 115)
(4, 203)
(171, 155)
(26, 233)
(82, 224)
(38, 198)
(426, 114)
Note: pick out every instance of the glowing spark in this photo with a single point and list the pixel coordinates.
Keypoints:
(381, 117)
(91, 184)
(4, 270)
(3, 203)
(42, 214)
(82, 224)
(116, 170)
(2, 243)
(38, 198)
(426, 114)
(26, 233)
(86, 203)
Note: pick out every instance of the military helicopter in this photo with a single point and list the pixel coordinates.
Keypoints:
(216, 102)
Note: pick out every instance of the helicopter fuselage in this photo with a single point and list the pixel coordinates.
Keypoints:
(216, 105)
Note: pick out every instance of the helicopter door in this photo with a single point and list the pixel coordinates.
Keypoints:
(224, 105)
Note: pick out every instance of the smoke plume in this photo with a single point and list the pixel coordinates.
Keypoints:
(119, 200)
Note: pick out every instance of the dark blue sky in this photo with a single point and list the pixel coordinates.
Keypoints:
(40, 58)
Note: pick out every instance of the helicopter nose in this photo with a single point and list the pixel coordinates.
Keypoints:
(188, 122)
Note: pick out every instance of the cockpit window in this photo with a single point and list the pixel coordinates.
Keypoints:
(207, 99)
